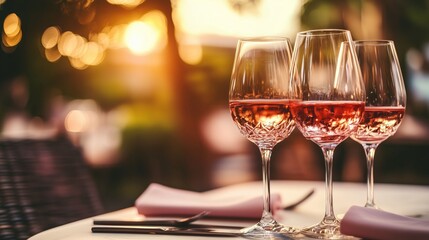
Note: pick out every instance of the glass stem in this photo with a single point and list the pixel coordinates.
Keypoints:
(370, 152)
(266, 156)
(328, 153)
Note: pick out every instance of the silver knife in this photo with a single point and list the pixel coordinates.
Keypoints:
(166, 231)
(161, 223)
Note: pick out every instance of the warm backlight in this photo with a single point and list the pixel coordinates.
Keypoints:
(140, 37)
(146, 35)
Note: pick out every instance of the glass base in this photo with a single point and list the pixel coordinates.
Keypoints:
(372, 205)
(268, 228)
(326, 229)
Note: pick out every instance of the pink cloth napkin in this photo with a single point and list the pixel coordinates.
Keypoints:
(375, 224)
(159, 200)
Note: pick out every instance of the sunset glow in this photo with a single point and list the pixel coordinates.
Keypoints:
(140, 37)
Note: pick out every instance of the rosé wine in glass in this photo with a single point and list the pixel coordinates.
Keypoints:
(326, 79)
(263, 121)
(385, 100)
(259, 105)
(327, 121)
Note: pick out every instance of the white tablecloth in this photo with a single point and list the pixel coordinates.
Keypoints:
(407, 200)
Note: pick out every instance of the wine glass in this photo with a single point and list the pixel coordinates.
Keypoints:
(385, 100)
(259, 105)
(330, 98)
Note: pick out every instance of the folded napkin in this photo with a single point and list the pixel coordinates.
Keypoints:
(159, 200)
(375, 224)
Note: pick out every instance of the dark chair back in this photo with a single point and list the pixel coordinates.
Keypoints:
(43, 184)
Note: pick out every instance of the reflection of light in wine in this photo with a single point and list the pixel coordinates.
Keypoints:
(271, 121)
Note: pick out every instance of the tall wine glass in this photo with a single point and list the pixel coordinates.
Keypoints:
(259, 106)
(385, 100)
(328, 86)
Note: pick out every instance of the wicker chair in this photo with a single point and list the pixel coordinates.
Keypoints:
(43, 184)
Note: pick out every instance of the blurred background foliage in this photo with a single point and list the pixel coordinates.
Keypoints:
(153, 107)
(406, 23)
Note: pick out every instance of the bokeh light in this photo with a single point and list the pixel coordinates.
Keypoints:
(191, 53)
(50, 37)
(145, 35)
(76, 121)
(93, 55)
(11, 41)
(12, 25)
(52, 54)
(77, 63)
(140, 37)
(12, 33)
(67, 43)
(126, 3)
